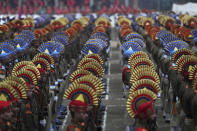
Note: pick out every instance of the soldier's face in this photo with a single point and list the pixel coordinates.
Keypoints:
(81, 116)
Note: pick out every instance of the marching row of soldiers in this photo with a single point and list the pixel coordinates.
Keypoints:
(172, 47)
(87, 83)
(139, 74)
(32, 64)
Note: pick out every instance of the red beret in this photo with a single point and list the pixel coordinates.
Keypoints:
(42, 71)
(141, 129)
(126, 69)
(145, 110)
(76, 105)
(4, 104)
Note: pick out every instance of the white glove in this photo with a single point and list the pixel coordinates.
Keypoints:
(55, 98)
(43, 122)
